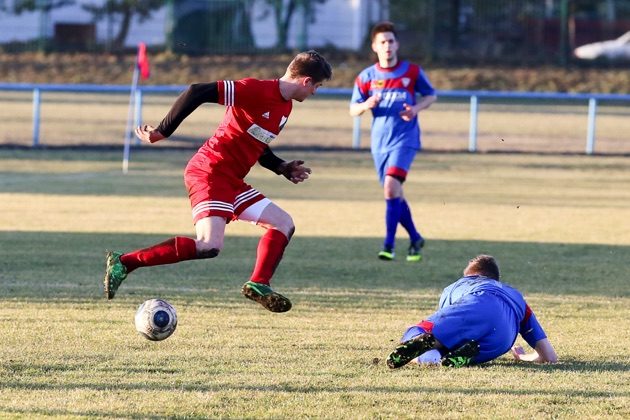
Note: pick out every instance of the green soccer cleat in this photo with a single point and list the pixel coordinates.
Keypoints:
(387, 254)
(265, 295)
(115, 273)
(415, 249)
(409, 350)
(461, 356)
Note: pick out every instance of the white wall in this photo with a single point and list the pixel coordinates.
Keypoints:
(25, 27)
(342, 23)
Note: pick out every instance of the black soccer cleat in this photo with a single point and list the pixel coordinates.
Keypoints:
(410, 349)
(387, 254)
(414, 253)
(263, 294)
(462, 356)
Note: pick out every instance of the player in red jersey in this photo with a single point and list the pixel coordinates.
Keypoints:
(257, 110)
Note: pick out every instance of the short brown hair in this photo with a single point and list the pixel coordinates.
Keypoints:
(483, 265)
(383, 27)
(311, 64)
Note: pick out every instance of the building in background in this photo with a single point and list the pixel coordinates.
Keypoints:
(449, 31)
(198, 26)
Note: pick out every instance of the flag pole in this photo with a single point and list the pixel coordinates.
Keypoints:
(130, 111)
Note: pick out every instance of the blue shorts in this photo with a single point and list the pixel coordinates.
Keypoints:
(396, 162)
(483, 317)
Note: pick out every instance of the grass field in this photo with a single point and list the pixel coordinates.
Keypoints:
(558, 226)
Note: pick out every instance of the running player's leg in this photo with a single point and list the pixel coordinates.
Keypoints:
(392, 205)
(279, 228)
(416, 241)
(392, 168)
(210, 231)
(207, 202)
(392, 190)
(171, 251)
(211, 199)
(210, 235)
(398, 167)
(118, 265)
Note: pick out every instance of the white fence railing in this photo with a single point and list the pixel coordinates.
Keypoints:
(474, 98)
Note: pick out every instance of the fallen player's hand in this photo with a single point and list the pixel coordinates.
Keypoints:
(517, 352)
(294, 171)
(148, 134)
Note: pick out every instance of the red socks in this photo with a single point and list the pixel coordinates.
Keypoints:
(270, 249)
(427, 326)
(168, 252)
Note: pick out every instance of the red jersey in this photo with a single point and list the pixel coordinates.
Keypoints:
(256, 112)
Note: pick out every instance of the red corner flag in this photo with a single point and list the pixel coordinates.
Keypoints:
(143, 61)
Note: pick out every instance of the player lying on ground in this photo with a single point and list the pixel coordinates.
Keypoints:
(256, 112)
(478, 320)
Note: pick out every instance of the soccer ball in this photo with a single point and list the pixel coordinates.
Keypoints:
(156, 319)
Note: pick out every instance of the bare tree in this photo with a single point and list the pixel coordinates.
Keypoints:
(283, 11)
(43, 6)
(21, 6)
(126, 9)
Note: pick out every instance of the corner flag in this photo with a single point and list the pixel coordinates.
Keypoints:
(140, 69)
(143, 61)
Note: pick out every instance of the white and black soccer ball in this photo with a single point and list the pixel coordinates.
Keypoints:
(156, 319)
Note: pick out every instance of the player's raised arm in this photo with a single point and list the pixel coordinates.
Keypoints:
(186, 103)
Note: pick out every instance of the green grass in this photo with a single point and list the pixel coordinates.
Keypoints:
(557, 224)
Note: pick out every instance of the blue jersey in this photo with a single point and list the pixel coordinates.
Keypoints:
(477, 284)
(396, 86)
(528, 325)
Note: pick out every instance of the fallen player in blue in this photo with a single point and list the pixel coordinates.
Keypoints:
(478, 320)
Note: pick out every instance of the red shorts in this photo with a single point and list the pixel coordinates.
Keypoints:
(215, 191)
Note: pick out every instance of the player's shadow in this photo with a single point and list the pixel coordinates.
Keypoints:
(209, 386)
(566, 364)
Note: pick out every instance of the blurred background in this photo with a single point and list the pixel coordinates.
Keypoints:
(562, 47)
(449, 31)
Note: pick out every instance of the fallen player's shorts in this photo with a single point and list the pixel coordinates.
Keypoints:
(214, 191)
(396, 163)
(484, 317)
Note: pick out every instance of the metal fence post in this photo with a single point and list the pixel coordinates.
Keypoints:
(137, 118)
(36, 112)
(356, 132)
(590, 136)
(472, 136)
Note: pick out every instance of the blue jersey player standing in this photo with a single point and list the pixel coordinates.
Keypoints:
(389, 89)
(478, 320)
